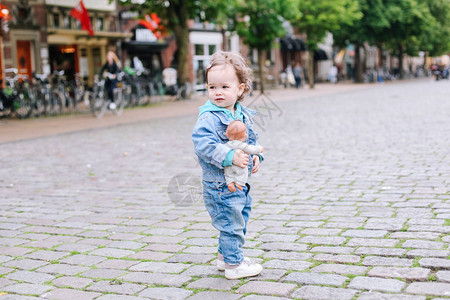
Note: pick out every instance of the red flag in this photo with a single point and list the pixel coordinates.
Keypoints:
(80, 13)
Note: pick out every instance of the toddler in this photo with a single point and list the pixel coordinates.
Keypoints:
(228, 79)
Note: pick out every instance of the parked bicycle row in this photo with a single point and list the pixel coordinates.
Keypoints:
(55, 94)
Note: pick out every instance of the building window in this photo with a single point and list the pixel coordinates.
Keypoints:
(77, 24)
(56, 23)
(100, 24)
(211, 49)
(67, 22)
(199, 49)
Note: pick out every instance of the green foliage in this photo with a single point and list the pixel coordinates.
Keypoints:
(260, 22)
(320, 17)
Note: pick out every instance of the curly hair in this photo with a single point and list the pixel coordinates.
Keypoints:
(243, 71)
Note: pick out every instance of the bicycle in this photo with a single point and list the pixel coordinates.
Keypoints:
(17, 97)
(185, 91)
(50, 99)
(100, 102)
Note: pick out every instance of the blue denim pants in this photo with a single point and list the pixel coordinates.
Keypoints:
(229, 213)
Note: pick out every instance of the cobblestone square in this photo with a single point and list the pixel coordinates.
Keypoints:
(351, 202)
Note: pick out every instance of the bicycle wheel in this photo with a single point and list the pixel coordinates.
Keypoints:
(38, 102)
(157, 92)
(184, 92)
(120, 103)
(98, 105)
(22, 104)
(56, 102)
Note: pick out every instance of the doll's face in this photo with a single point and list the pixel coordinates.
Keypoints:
(236, 131)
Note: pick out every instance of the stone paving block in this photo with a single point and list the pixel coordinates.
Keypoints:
(202, 271)
(303, 224)
(277, 238)
(14, 251)
(25, 264)
(47, 255)
(45, 244)
(116, 287)
(164, 231)
(322, 240)
(365, 233)
(27, 289)
(334, 250)
(287, 264)
(321, 231)
(443, 276)
(151, 255)
(165, 293)
(5, 282)
(284, 246)
(338, 258)
(62, 269)
(380, 296)
(287, 255)
(68, 294)
(191, 258)
(316, 278)
(267, 288)
(103, 273)
(117, 264)
(173, 248)
(269, 274)
(4, 258)
(112, 252)
(372, 242)
(214, 295)
(156, 278)
(406, 273)
(435, 263)
(130, 245)
(380, 251)
(200, 233)
(4, 241)
(340, 269)
(82, 259)
(78, 247)
(4, 271)
(252, 252)
(346, 225)
(30, 277)
(95, 242)
(377, 284)
(311, 292)
(428, 253)
(259, 297)
(118, 297)
(423, 244)
(213, 284)
(72, 282)
(208, 242)
(429, 288)
(387, 261)
(160, 267)
(414, 235)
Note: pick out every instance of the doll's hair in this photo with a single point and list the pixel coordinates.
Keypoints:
(235, 130)
(243, 71)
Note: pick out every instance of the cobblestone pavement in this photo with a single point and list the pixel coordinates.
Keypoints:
(352, 202)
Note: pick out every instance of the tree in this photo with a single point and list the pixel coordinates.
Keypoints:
(366, 29)
(320, 17)
(175, 14)
(259, 23)
(408, 20)
(435, 40)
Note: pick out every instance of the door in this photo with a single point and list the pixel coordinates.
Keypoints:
(24, 58)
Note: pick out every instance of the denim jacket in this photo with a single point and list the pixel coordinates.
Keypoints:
(209, 142)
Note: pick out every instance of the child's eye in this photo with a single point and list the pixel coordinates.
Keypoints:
(225, 86)
(211, 87)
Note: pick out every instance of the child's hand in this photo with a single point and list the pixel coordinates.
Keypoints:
(255, 163)
(240, 158)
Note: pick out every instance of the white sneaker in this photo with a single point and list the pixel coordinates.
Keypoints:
(221, 264)
(112, 106)
(245, 269)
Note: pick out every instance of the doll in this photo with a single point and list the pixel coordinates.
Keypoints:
(236, 176)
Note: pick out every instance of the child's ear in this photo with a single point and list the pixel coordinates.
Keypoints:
(241, 89)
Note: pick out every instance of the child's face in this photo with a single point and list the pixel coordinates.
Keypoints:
(223, 86)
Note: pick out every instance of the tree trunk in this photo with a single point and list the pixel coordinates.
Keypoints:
(311, 68)
(261, 70)
(358, 69)
(400, 61)
(182, 38)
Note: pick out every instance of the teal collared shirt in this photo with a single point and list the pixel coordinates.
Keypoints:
(238, 115)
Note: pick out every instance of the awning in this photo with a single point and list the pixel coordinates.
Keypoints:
(136, 47)
(292, 44)
(320, 54)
